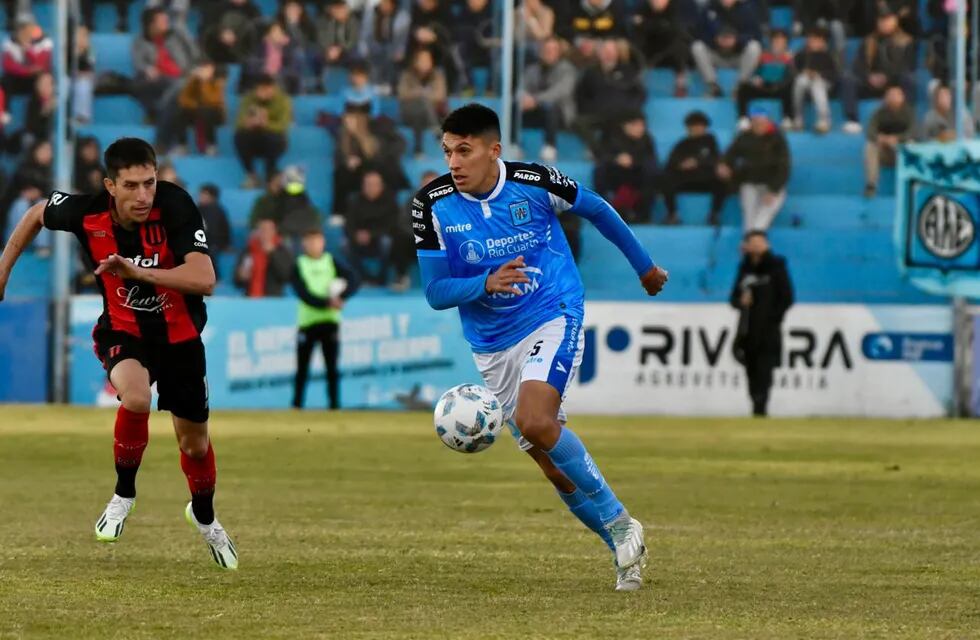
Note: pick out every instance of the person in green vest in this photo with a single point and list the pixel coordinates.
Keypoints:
(318, 281)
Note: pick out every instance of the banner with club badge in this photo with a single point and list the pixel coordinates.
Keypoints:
(937, 216)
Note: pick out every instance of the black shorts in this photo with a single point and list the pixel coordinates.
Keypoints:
(179, 370)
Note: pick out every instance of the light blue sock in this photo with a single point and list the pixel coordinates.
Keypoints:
(570, 456)
(584, 509)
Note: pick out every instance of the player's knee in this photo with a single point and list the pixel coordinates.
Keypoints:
(540, 429)
(137, 400)
(194, 446)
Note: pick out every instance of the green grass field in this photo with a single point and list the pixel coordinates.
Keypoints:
(362, 525)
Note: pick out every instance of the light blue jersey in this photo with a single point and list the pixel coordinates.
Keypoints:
(461, 239)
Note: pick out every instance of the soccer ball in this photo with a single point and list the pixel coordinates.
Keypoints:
(468, 418)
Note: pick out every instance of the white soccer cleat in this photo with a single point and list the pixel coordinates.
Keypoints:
(110, 524)
(627, 537)
(223, 550)
(630, 578)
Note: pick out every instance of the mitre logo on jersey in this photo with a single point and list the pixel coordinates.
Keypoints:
(140, 261)
(133, 299)
(458, 228)
(527, 175)
(440, 192)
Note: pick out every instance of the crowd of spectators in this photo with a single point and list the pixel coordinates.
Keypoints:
(582, 67)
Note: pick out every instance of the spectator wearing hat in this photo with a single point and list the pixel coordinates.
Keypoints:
(692, 168)
(817, 74)
(729, 36)
(773, 78)
(886, 57)
(548, 99)
(422, 96)
(323, 285)
(26, 55)
(627, 171)
(892, 124)
(265, 266)
(264, 116)
(758, 162)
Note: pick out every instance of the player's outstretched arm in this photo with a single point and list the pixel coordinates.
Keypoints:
(595, 209)
(442, 290)
(194, 277)
(22, 237)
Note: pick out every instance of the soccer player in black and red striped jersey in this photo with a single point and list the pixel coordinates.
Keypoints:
(146, 242)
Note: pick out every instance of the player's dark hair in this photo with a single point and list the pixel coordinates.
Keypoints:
(755, 232)
(128, 152)
(472, 120)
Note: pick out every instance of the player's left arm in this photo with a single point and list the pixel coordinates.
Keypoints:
(591, 206)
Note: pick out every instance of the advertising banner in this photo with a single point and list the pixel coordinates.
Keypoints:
(24, 351)
(937, 217)
(394, 354)
(853, 360)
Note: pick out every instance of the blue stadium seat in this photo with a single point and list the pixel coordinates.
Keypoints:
(113, 52)
(238, 203)
(335, 79)
(670, 112)
(106, 134)
(117, 110)
(781, 18)
(197, 170)
(307, 108)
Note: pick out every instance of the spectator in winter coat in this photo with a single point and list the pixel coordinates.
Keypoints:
(627, 172)
(758, 162)
(278, 56)
(422, 96)
(202, 107)
(729, 36)
(891, 125)
(26, 54)
(371, 217)
(817, 73)
(663, 38)
(886, 57)
(161, 57)
(594, 21)
(384, 36)
(231, 30)
(826, 15)
(939, 124)
(606, 92)
(338, 31)
(772, 79)
(265, 266)
(215, 221)
(692, 168)
(264, 115)
(473, 37)
(548, 99)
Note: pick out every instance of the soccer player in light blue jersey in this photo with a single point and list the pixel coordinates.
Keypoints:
(489, 243)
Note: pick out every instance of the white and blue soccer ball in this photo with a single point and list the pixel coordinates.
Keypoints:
(468, 418)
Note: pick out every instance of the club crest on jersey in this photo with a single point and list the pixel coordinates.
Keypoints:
(520, 212)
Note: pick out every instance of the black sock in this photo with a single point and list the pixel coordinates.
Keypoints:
(126, 481)
(203, 506)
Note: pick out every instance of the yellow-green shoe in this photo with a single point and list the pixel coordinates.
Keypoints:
(110, 524)
(223, 550)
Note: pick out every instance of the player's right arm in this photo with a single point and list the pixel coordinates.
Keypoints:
(442, 290)
(22, 237)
